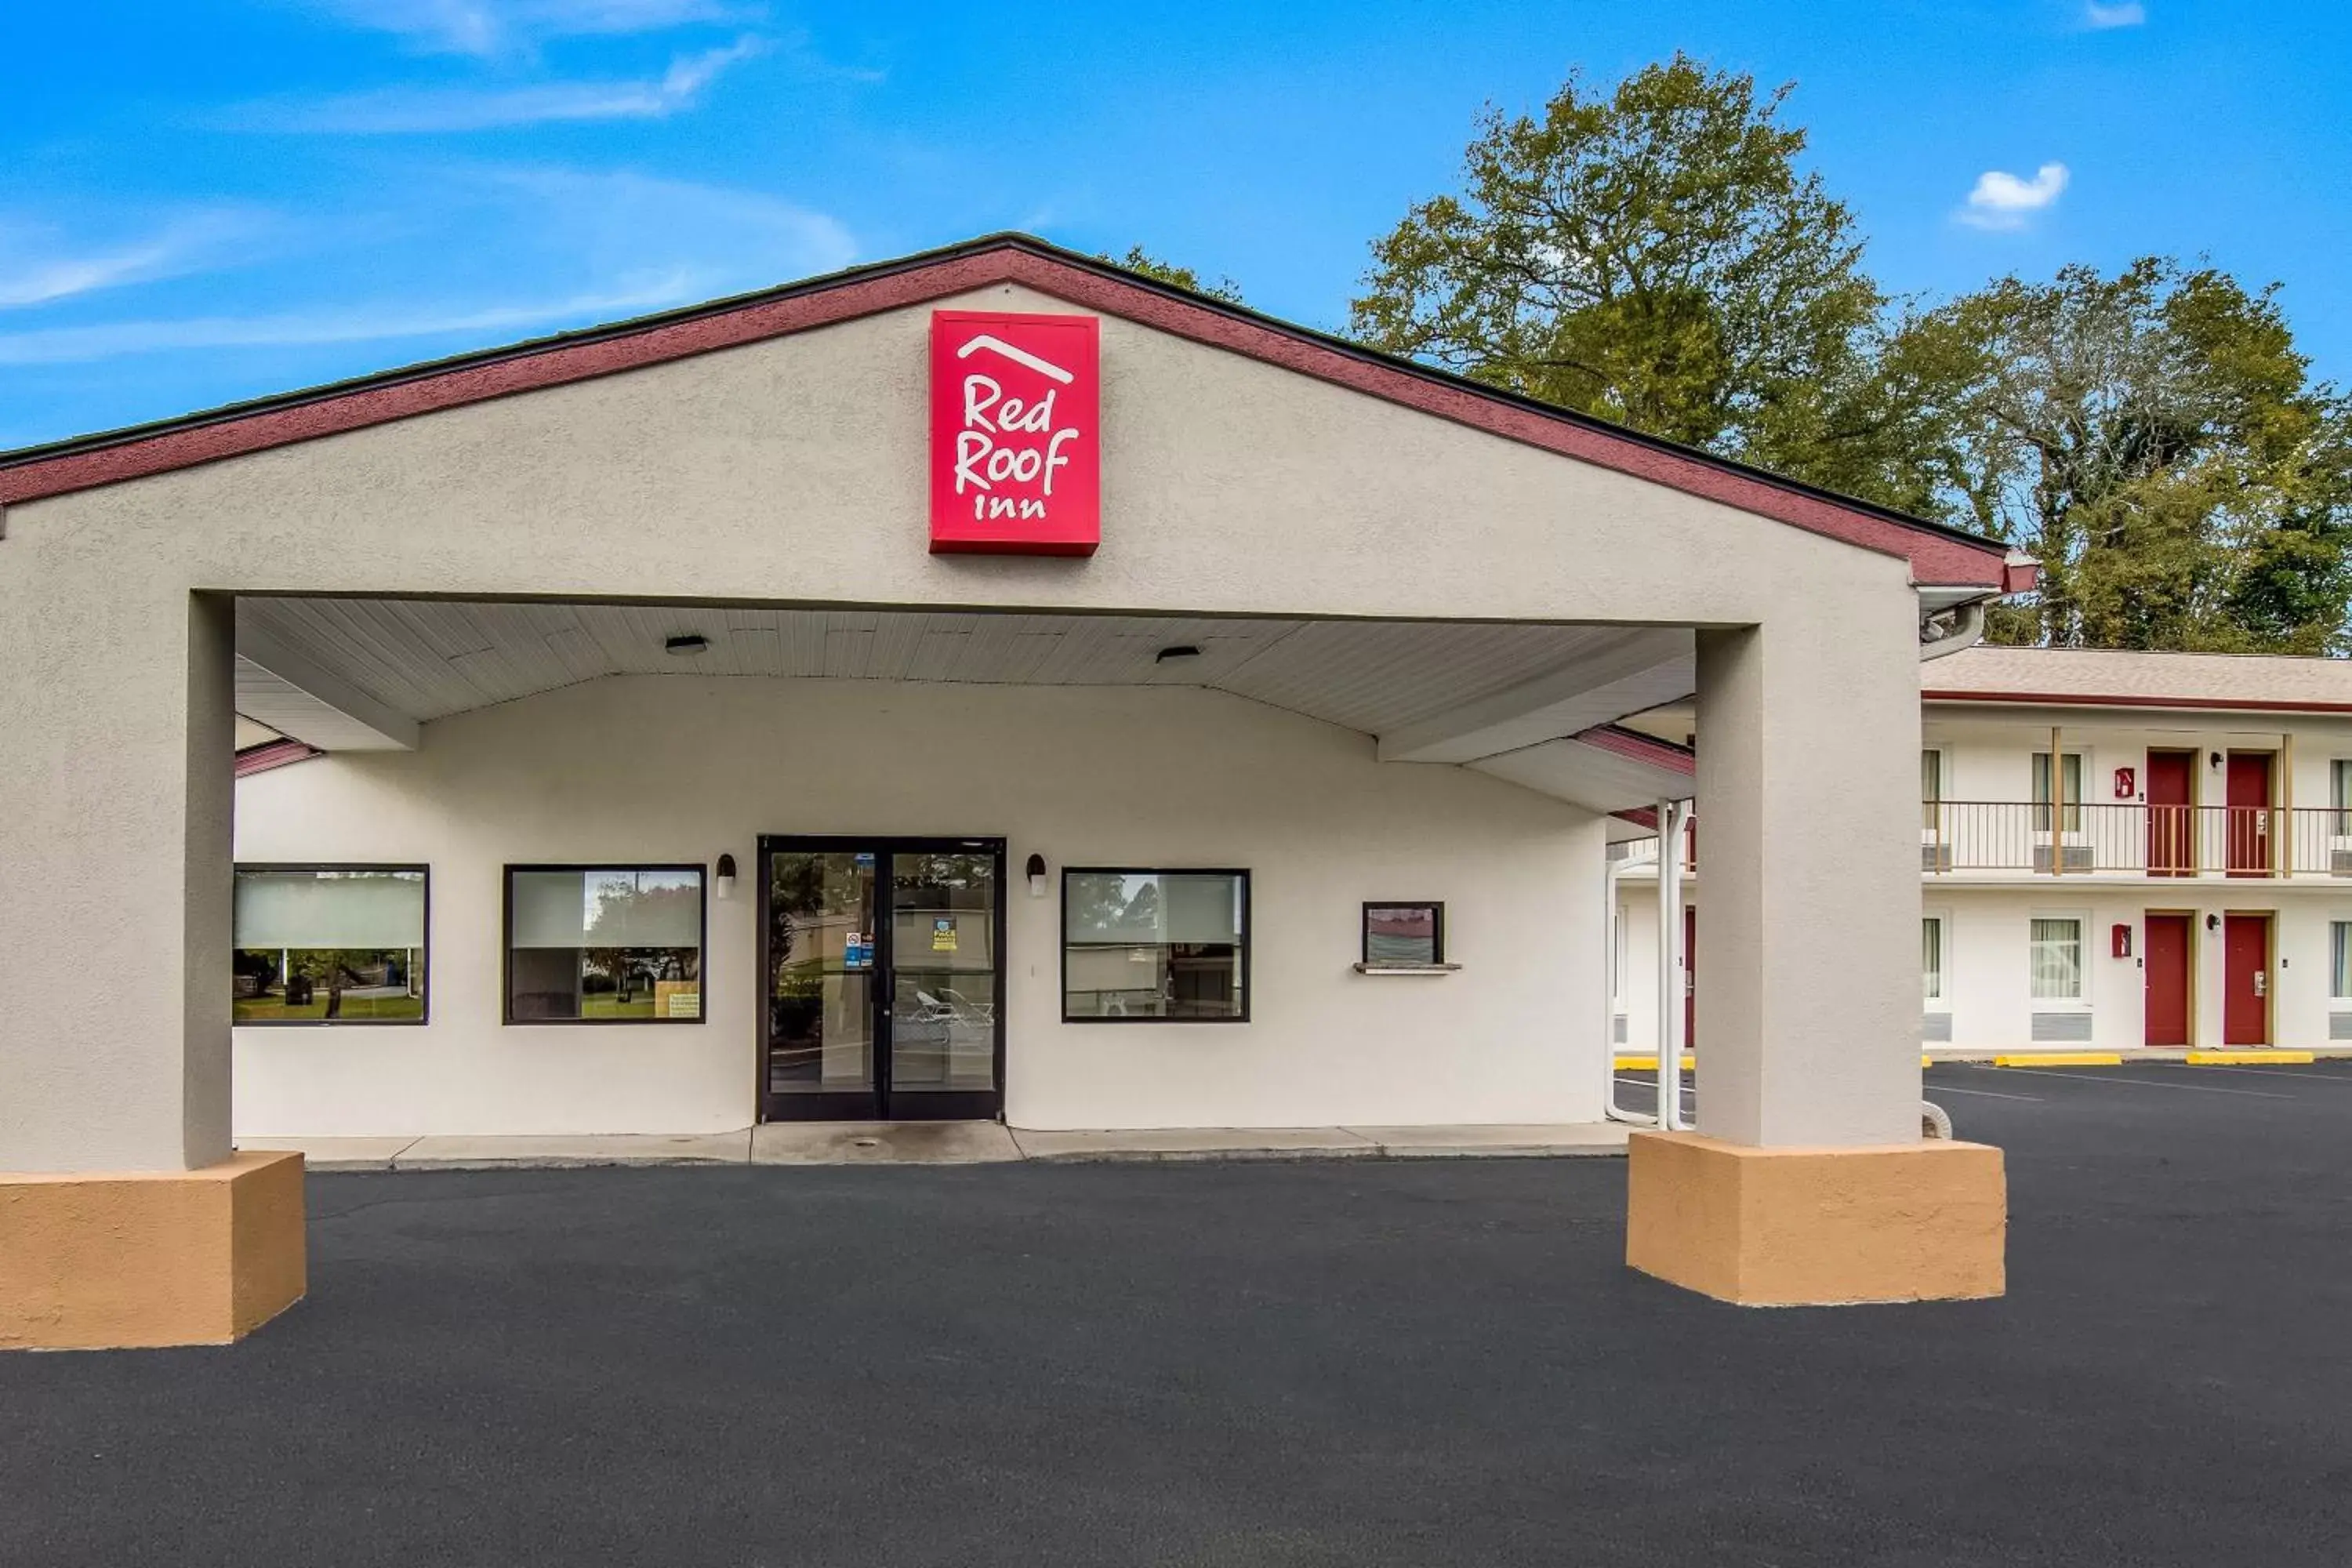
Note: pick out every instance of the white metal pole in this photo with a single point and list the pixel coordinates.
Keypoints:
(1611, 873)
(1672, 814)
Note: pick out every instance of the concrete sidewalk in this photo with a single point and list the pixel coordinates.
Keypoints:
(947, 1144)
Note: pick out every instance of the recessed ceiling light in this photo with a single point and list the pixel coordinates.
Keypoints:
(1169, 655)
(684, 647)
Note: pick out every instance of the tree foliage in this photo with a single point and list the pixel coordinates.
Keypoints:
(1138, 260)
(2156, 440)
(1652, 254)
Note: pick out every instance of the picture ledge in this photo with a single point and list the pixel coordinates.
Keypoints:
(1406, 968)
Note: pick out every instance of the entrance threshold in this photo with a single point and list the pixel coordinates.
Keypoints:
(948, 1143)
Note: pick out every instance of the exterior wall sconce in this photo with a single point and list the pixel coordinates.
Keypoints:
(1035, 871)
(726, 878)
(2212, 922)
(2216, 759)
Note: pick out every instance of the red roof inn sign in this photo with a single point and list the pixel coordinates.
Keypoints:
(1015, 437)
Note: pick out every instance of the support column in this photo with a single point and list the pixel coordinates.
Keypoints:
(1808, 1181)
(125, 1218)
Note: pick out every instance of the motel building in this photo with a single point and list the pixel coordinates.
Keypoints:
(989, 685)
(2178, 879)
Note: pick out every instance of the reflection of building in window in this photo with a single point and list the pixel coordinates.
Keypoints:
(605, 945)
(1155, 944)
(1404, 933)
(328, 945)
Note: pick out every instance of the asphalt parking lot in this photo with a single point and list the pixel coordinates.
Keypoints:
(1356, 1361)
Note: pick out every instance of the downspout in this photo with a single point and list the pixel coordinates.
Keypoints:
(1966, 629)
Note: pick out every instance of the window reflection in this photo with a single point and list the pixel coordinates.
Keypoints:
(328, 945)
(1168, 945)
(605, 945)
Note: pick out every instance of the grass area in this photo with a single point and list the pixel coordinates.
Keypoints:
(272, 1009)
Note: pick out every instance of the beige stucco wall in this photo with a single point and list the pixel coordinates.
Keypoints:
(682, 768)
(793, 470)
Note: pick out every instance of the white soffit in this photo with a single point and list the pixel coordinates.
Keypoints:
(1588, 776)
(1459, 691)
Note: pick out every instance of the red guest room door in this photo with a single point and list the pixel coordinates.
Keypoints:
(2169, 938)
(2246, 980)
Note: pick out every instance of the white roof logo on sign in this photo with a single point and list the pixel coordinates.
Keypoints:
(1019, 356)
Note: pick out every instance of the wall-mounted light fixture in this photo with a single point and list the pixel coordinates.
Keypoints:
(2217, 759)
(2212, 922)
(726, 878)
(686, 645)
(1037, 874)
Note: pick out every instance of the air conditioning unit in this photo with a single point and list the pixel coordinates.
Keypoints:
(2071, 857)
(1935, 857)
(2339, 862)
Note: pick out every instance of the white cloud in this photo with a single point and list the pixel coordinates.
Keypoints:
(365, 323)
(410, 110)
(37, 268)
(2123, 14)
(2002, 201)
(504, 27)
(609, 244)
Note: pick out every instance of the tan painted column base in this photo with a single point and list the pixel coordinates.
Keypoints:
(1798, 1227)
(104, 1260)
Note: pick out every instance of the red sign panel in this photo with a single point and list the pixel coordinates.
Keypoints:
(1015, 449)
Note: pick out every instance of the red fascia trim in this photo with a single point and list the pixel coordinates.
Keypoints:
(271, 754)
(1936, 559)
(2075, 699)
(1634, 746)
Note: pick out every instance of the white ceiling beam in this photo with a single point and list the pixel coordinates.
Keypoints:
(298, 697)
(1639, 669)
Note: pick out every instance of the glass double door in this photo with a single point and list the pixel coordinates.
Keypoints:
(882, 961)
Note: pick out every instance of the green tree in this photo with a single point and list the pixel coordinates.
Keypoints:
(2157, 441)
(1651, 254)
(1138, 260)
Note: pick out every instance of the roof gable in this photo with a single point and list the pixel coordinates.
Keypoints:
(1939, 555)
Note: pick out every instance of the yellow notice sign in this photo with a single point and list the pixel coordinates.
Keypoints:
(943, 934)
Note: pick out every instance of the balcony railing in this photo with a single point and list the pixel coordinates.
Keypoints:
(1960, 838)
(2135, 840)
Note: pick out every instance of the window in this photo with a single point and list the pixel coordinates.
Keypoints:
(2340, 961)
(2340, 779)
(594, 944)
(2057, 958)
(328, 944)
(1931, 791)
(1166, 946)
(2070, 779)
(1931, 957)
(1404, 933)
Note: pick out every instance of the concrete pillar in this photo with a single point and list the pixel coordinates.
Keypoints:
(124, 1216)
(1807, 1180)
(1808, 969)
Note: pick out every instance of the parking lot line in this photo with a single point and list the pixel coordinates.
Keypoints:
(2338, 1078)
(2151, 1083)
(1936, 1088)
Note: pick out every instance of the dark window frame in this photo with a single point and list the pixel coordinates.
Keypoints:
(506, 941)
(1436, 908)
(425, 1002)
(1248, 976)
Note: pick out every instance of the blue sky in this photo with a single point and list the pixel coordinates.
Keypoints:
(214, 199)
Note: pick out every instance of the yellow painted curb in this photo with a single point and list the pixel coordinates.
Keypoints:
(2230, 1058)
(2060, 1059)
(1650, 1063)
